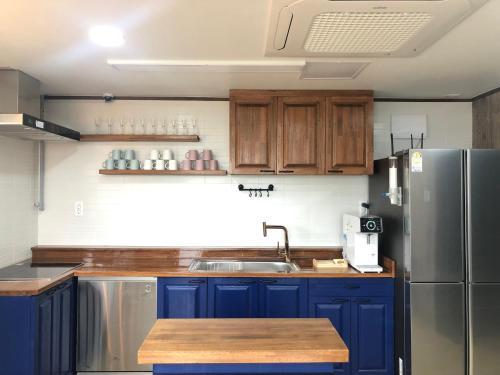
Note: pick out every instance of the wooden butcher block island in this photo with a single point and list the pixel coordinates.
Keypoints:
(243, 346)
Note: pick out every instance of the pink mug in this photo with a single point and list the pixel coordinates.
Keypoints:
(186, 165)
(199, 165)
(206, 155)
(213, 165)
(192, 155)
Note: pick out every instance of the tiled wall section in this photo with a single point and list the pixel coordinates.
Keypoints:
(18, 216)
(187, 210)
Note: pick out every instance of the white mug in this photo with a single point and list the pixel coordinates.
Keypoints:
(167, 155)
(159, 164)
(154, 155)
(147, 165)
(172, 165)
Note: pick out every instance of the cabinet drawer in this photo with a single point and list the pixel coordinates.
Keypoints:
(351, 287)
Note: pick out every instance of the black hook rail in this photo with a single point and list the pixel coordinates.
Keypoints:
(256, 191)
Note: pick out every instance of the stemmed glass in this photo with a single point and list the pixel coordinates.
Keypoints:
(123, 124)
(98, 125)
(110, 125)
(164, 126)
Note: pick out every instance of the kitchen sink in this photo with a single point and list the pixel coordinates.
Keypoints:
(242, 266)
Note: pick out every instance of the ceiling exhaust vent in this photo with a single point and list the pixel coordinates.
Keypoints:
(332, 70)
(361, 28)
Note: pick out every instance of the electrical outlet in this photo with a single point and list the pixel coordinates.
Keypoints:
(401, 367)
(79, 208)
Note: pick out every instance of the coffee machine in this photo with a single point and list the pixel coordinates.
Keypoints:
(360, 241)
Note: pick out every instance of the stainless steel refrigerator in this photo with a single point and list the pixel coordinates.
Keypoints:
(445, 238)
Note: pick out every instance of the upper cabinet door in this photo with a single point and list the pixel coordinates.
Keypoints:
(253, 135)
(349, 135)
(301, 134)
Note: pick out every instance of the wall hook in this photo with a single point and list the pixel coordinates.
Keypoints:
(256, 191)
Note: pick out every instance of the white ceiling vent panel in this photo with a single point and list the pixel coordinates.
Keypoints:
(361, 28)
(363, 32)
(332, 70)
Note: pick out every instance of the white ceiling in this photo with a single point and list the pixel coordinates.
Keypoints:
(48, 39)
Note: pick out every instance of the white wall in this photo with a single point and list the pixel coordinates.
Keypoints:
(449, 125)
(197, 210)
(18, 216)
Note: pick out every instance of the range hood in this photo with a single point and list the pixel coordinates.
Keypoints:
(20, 110)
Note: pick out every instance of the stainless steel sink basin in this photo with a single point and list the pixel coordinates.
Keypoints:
(242, 266)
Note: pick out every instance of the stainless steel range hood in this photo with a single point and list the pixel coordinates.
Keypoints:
(20, 110)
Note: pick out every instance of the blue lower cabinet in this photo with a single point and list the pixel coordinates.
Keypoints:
(38, 332)
(372, 341)
(361, 310)
(283, 298)
(338, 310)
(182, 297)
(232, 297)
(245, 368)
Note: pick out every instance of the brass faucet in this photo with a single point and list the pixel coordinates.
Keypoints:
(286, 253)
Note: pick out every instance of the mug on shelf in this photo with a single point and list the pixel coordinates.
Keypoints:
(213, 165)
(147, 165)
(129, 154)
(186, 165)
(115, 154)
(154, 155)
(172, 165)
(109, 164)
(159, 164)
(192, 155)
(199, 165)
(121, 164)
(167, 155)
(133, 164)
(206, 155)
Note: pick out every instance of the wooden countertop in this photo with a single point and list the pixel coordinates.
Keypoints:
(31, 287)
(92, 271)
(170, 262)
(192, 341)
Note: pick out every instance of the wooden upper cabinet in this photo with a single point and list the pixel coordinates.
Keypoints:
(253, 134)
(349, 135)
(301, 135)
(308, 132)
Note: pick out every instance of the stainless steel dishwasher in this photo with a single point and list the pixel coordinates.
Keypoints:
(114, 316)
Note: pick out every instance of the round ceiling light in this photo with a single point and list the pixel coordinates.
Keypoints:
(106, 36)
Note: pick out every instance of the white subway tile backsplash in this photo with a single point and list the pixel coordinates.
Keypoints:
(186, 210)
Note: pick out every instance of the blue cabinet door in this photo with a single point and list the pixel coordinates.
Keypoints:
(372, 341)
(232, 297)
(338, 310)
(182, 297)
(282, 298)
(65, 358)
(44, 339)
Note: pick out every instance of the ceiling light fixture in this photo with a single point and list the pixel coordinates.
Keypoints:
(453, 95)
(106, 36)
(217, 66)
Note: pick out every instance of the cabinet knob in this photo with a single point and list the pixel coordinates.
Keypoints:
(269, 281)
(147, 288)
(196, 281)
(335, 171)
(351, 286)
(286, 171)
(340, 300)
(267, 171)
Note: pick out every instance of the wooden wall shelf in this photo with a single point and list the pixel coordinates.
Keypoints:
(138, 138)
(121, 172)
